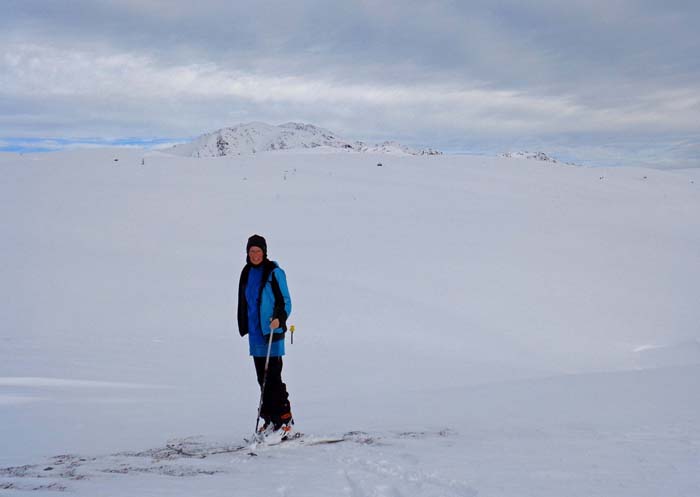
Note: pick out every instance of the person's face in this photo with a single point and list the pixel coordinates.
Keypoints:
(255, 254)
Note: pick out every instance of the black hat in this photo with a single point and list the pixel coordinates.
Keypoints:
(257, 241)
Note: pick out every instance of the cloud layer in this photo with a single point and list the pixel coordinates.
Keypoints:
(591, 80)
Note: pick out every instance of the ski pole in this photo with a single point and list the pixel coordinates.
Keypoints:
(262, 388)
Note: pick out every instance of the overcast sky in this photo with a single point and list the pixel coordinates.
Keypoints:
(607, 81)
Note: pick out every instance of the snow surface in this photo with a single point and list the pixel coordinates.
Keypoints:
(471, 326)
(251, 138)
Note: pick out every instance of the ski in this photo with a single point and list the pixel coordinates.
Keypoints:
(194, 450)
(296, 436)
(307, 440)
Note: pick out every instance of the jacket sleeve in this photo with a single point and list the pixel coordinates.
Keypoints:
(283, 301)
(242, 304)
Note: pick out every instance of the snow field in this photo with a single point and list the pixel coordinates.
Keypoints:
(503, 303)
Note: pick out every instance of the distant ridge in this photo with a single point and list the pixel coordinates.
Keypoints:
(257, 137)
(540, 156)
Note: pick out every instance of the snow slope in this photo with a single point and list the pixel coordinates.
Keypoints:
(257, 137)
(477, 323)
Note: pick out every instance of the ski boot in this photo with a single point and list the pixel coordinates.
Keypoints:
(267, 429)
(286, 426)
(282, 431)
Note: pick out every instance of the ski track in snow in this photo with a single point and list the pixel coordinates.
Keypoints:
(365, 465)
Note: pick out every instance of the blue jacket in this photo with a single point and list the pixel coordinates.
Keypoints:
(263, 295)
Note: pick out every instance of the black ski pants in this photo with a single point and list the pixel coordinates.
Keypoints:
(275, 406)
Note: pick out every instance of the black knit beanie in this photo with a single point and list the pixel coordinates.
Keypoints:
(257, 241)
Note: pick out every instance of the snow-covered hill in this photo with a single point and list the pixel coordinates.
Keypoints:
(470, 326)
(539, 156)
(395, 148)
(261, 137)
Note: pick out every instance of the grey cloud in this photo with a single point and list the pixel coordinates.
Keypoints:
(506, 44)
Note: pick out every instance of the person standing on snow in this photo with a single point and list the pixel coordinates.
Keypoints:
(264, 305)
